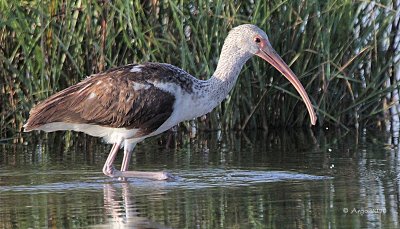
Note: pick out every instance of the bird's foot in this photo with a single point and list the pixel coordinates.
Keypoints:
(147, 175)
(122, 175)
(109, 170)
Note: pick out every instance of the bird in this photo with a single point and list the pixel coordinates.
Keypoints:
(127, 104)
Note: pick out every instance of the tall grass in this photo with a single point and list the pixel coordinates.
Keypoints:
(344, 52)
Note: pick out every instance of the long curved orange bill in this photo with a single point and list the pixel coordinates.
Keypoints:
(269, 54)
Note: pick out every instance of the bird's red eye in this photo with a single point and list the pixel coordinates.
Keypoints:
(257, 40)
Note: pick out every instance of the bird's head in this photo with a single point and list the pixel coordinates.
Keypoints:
(251, 40)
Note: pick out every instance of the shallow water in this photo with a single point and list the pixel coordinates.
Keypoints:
(290, 179)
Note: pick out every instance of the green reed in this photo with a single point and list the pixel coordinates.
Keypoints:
(344, 53)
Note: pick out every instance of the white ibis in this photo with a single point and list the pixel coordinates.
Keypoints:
(127, 104)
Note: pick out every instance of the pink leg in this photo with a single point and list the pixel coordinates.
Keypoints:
(126, 159)
(109, 170)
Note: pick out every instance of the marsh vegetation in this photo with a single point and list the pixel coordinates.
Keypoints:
(344, 52)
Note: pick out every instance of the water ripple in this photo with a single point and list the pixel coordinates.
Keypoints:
(186, 179)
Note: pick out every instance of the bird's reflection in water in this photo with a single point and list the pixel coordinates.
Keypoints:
(120, 206)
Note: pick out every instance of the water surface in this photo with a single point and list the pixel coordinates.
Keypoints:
(291, 179)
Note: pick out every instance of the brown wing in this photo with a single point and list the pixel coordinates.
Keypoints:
(117, 98)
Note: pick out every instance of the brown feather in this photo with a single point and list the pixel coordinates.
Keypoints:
(109, 99)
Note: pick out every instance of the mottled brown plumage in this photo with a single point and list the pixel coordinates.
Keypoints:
(108, 99)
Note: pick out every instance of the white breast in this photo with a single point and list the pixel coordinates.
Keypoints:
(186, 107)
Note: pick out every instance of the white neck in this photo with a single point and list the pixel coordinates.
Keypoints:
(224, 78)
